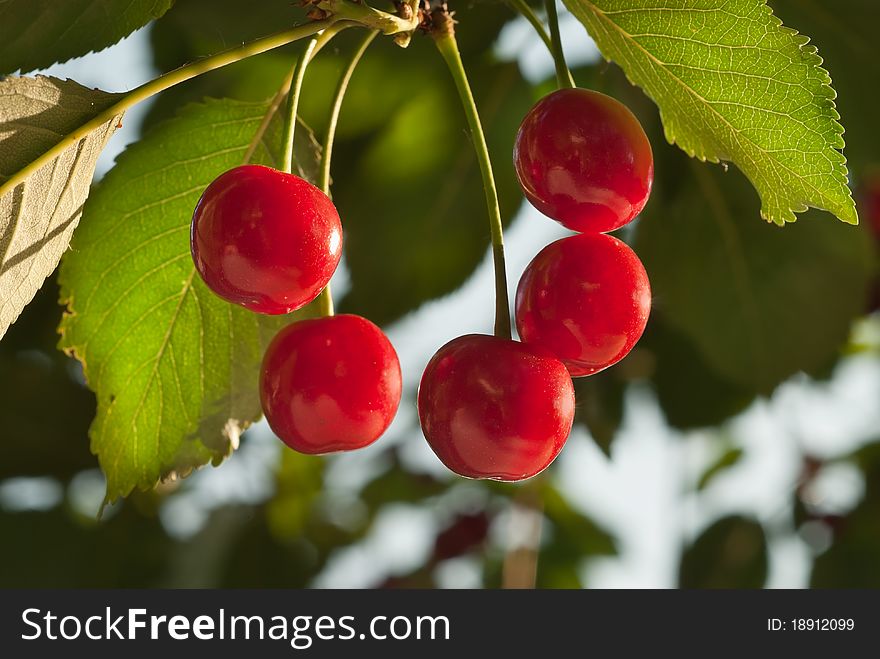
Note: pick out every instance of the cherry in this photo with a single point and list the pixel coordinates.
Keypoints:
(495, 408)
(265, 239)
(330, 384)
(586, 298)
(583, 159)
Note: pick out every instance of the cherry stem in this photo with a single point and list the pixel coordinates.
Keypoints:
(325, 302)
(325, 299)
(294, 83)
(528, 13)
(299, 74)
(336, 107)
(563, 75)
(444, 36)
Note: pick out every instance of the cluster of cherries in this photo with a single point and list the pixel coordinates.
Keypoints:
(489, 407)
(502, 409)
(270, 241)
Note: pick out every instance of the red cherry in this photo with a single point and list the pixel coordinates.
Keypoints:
(586, 298)
(494, 408)
(264, 239)
(330, 384)
(583, 159)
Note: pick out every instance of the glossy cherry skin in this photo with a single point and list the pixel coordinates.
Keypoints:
(330, 384)
(494, 408)
(264, 239)
(586, 298)
(583, 159)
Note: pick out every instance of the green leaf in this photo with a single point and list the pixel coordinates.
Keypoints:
(691, 394)
(574, 537)
(733, 84)
(600, 406)
(851, 561)
(574, 531)
(759, 304)
(56, 549)
(732, 553)
(39, 214)
(397, 485)
(256, 558)
(845, 33)
(173, 366)
(37, 33)
(198, 28)
(299, 482)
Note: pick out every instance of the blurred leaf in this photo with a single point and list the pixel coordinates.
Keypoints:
(397, 485)
(173, 366)
(37, 327)
(733, 84)
(868, 460)
(261, 557)
(197, 28)
(845, 33)
(725, 461)
(851, 561)
(573, 538)
(202, 560)
(478, 25)
(38, 215)
(256, 559)
(573, 530)
(690, 393)
(287, 542)
(413, 205)
(54, 550)
(374, 96)
(298, 485)
(732, 553)
(600, 400)
(558, 575)
(37, 33)
(34, 377)
(759, 303)
(36, 443)
(387, 75)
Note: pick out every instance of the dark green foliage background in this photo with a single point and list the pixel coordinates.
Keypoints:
(414, 212)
